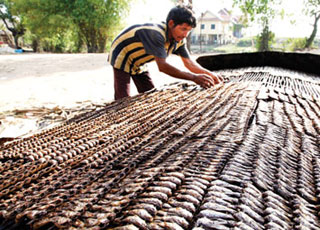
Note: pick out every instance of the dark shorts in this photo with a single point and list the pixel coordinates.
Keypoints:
(142, 81)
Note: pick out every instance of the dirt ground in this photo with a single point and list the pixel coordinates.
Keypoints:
(54, 86)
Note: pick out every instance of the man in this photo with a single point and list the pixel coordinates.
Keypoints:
(140, 44)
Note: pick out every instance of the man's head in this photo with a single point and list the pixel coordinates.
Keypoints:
(182, 14)
(180, 21)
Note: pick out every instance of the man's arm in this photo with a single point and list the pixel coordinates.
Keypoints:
(196, 68)
(202, 79)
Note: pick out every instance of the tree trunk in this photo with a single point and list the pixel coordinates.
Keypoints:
(16, 41)
(16, 31)
(102, 46)
(102, 41)
(314, 32)
(90, 38)
(35, 45)
(92, 48)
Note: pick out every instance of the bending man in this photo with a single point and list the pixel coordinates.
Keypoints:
(140, 44)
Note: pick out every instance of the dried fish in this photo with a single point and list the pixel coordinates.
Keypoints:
(153, 201)
(170, 226)
(127, 227)
(180, 212)
(150, 208)
(248, 220)
(188, 198)
(137, 221)
(172, 179)
(242, 155)
(214, 215)
(167, 184)
(258, 217)
(175, 219)
(193, 187)
(159, 195)
(142, 213)
(191, 192)
(183, 204)
(164, 190)
(283, 223)
(205, 223)
(217, 207)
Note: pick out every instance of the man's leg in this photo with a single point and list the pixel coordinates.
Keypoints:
(121, 84)
(143, 82)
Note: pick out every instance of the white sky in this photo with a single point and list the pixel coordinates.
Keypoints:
(156, 10)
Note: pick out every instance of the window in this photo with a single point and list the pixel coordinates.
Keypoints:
(202, 26)
(213, 26)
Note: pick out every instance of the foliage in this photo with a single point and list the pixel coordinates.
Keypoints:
(316, 43)
(236, 28)
(294, 44)
(228, 48)
(62, 25)
(245, 42)
(312, 9)
(13, 23)
(265, 40)
(262, 13)
(233, 48)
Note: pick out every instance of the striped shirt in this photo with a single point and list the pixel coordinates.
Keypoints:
(140, 44)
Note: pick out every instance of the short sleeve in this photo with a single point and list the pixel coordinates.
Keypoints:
(153, 42)
(182, 51)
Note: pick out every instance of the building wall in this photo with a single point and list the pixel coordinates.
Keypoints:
(212, 30)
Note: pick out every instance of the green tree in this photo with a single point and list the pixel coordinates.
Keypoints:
(93, 22)
(312, 8)
(44, 23)
(96, 20)
(12, 21)
(261, 12)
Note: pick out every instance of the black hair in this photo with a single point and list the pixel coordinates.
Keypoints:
(182, 14)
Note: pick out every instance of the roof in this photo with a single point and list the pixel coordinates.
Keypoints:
(223, 15)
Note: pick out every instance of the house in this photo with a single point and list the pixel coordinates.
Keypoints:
(216, 29)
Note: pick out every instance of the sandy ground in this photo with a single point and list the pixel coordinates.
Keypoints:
(35, 85)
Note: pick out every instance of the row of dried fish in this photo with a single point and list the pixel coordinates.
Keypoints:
(290, 85)
(187, 158)
(158, 210)
(166, 151)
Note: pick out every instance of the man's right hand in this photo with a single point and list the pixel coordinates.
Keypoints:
(204, 80)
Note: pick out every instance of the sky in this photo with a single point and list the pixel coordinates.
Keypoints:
(156, 10)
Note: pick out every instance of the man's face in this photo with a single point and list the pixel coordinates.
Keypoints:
(178, 32)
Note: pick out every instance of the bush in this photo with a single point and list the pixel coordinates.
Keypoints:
(316, 42)
(245, 42)
(294, 44)
(265, 40)
(56, 44)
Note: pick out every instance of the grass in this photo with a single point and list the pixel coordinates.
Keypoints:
(229, 48)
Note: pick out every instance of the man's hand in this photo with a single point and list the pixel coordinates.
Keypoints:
(198, 75)
(205, 81)
(217, 78)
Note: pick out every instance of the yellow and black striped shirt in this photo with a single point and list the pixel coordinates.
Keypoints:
(140, 44)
